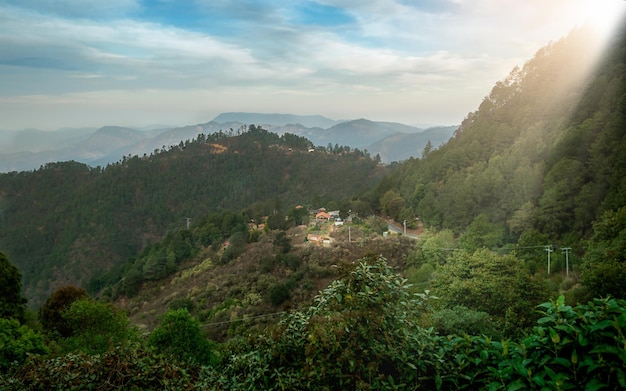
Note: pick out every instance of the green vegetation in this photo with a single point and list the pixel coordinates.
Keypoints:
(365, 331)
(12, 303)
(69, 222)
(517, 280)
(179, 336)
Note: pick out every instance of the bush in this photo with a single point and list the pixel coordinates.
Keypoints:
(179, 335)
(462, 320)
(96, 327)
(127, 367)
(280, 293)
(17, 342)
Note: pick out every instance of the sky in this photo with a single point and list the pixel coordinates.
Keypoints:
(91, 63)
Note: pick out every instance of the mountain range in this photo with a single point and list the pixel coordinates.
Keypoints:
(30, 149)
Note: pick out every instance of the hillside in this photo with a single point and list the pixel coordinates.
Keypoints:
(211, 265)
(66, 222)
(30, 149)
(543, 152)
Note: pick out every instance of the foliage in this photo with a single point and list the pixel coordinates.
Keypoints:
(461, 320)
(12, 303)
(17, 342)
(68, 222)
(360, 333)
(486, 281)
(543, 151)
(356, 335)
(51, 313)
(481, 233)
(573, 348)
(179, 336)
(96, 327)
(604, 267)
(128, 367)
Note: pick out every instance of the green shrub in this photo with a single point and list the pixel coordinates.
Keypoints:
(279, 293)
(462, 320)
(96, 327)
(17, 342)
(127, 367)
(179, 335)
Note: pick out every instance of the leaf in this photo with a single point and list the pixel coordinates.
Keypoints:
(601, 325)
(595, 385)
(545, 319)
(582, 340)
(562, 361)
(554, 336)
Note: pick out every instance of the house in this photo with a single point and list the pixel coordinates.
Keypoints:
(322, 217)
(314, 238)
(318, 239)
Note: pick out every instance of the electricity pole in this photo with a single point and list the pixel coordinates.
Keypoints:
(567, 250)
(548, 249)
(188, 221)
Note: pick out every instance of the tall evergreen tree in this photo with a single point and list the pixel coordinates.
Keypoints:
(12, 303)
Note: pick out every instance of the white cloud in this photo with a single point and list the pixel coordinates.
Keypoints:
(419, 60)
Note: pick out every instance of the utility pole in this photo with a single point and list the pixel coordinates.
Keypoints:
(548, 249)
(567, 250)
(404, 223)
(349, 237)
(188, 221)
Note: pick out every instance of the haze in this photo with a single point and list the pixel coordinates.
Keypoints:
(73, 63)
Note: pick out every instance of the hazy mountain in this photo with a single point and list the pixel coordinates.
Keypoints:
(402, 146)
(30, 149)
(107, 140)
(309, 121)
(33, 140)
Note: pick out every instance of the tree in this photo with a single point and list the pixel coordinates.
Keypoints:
(179, 335)
(485, 281)
(96, 327)
(51, 312)
(604, 264)
(481, 233)
(12, 303)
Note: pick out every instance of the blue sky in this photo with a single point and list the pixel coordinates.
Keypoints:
(89, 63)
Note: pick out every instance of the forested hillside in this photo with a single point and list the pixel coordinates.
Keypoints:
(67, 222)
(258, 292)
(544, 151)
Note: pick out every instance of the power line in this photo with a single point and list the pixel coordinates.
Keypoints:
(242, 319)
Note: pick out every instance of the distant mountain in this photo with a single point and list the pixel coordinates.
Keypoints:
(309, 121)
(402, 146)
(30, 149)
(107, 140)
(33, 140)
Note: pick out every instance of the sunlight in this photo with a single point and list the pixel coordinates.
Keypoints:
(603, 15)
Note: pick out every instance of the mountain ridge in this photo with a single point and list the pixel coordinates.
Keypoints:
(111, 143)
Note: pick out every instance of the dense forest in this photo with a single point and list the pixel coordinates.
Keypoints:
(516, 279)
(67, 222)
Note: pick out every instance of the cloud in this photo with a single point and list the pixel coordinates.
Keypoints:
(357, 57)
(96, 9)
